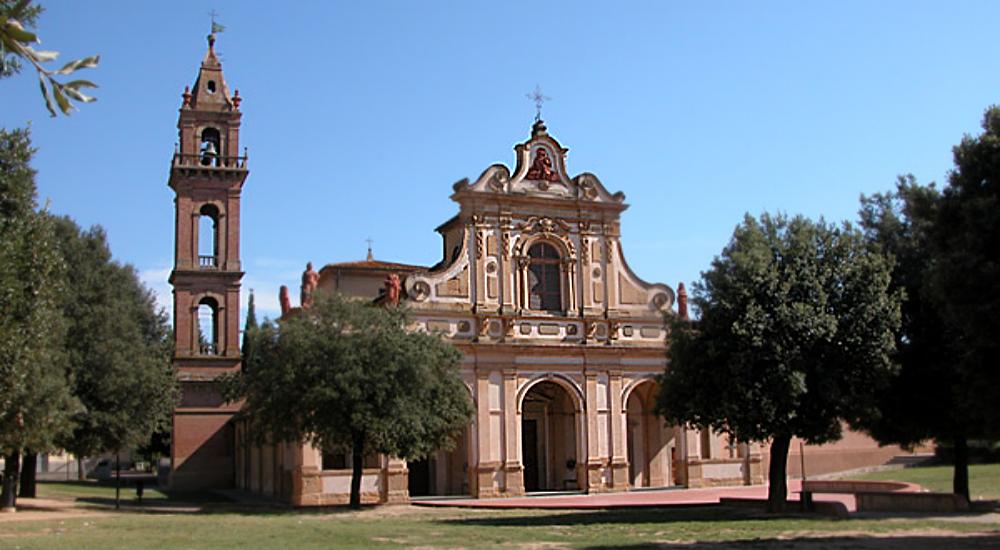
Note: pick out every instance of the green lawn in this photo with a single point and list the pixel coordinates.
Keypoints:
(984, 479)
(402, 526)
(91, 489)
(223, 525)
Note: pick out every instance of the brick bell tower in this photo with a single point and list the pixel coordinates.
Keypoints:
(207, 174)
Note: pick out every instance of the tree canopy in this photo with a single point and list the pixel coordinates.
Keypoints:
(931, 397)
(118, 348)
(347, 375)
(794, 335)
(35, 399)
(966, 267)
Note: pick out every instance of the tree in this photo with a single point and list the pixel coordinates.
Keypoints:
(16, 42)
(930, 397)
(346, 375)
(118, 347)
(248, 348)
(35, 402)
(966, 267)
(795, 334)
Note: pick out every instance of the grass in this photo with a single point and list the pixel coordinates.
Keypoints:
(984, 479)
(92, 490)
(225, 525)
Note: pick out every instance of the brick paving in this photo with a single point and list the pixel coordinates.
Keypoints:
(636, 499)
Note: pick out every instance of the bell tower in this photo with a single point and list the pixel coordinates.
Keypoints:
(207, 175)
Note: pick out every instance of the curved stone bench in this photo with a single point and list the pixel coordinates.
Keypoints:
(886, 496)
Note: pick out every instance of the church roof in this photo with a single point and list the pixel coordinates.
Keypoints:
(374, 265)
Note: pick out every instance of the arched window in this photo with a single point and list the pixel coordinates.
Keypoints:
(208, 326)
(210, 147)
(544, 278)
(208, 237)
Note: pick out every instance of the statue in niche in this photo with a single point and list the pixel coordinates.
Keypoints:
(310, 280)
(285, 299)
(541, 168)
(392, 289)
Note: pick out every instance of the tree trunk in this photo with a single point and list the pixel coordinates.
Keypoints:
(777, 490)
(79, 469)
(960, 482)
(357, 467)
(28, 467)
(8, 496)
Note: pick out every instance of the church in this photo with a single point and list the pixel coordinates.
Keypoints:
(561, 340)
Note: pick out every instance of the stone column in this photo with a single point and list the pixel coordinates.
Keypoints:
(593, 482)
(513, 469)
(618, 448)
(487, 466)
(395, 478)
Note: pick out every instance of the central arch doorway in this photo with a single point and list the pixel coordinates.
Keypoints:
(550, 420)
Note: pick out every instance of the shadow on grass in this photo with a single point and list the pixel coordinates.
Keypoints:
(672, 514)
(909, 542)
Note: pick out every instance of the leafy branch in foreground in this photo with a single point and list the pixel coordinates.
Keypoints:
(16, 42)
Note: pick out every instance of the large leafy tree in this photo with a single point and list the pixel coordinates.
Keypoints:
(347, 375)
(118, 348)
(794, 335)
(931, 397)
(35, 401)
(966, 270)
(17, 17)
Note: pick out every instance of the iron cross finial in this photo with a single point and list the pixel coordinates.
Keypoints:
(539, 99)
(371, 256)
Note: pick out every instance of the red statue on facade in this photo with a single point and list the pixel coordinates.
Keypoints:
(682, 301)
(541, 168)
(310, 280)
(392, 289)
(285, 299)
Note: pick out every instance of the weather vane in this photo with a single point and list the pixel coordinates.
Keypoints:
(538, 98)
(216, 27)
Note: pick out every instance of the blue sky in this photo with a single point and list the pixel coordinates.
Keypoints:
(360, 116)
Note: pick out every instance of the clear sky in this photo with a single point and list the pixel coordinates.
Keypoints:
(360, 116)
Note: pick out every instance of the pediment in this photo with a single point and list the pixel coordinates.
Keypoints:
(540, 172)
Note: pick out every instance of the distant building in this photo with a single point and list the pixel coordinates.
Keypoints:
(562, 341)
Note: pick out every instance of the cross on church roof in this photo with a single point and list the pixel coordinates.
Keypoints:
(538, 98)
(371, 256)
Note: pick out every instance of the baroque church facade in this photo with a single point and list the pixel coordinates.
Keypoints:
(561, 340)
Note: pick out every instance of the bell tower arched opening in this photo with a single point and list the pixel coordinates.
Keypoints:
(211, 147)
(208, 237)
(208, 326)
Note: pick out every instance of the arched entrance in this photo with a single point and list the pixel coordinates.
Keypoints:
(649, 441)
(443, 472)
(550, 420)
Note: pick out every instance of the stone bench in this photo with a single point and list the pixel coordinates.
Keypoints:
(885, 496)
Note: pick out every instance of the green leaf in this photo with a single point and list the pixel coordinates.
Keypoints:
(14, 30)
(64, 105)
(45, 94)
(80, 84)
(75, 94)
(85, 63)
(41, 56)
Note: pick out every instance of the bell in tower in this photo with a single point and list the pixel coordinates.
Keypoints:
(207, 175)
